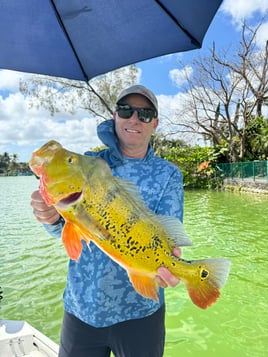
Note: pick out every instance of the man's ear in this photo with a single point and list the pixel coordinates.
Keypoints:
(156, 122)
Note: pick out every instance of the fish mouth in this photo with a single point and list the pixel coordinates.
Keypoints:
(70, 200)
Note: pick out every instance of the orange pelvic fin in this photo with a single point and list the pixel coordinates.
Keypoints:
(71, 237)
(144, 285)
(205, 290)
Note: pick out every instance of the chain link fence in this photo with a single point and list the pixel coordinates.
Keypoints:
(245, 171)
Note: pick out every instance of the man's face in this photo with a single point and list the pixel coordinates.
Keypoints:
(134, 135)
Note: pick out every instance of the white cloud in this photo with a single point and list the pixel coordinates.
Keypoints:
(23, 129)
(178, 76)
(9, 80)
(240, 9)
(253, 11)
(261, 36)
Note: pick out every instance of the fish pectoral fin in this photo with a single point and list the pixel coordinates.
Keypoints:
(71, 238)
(144, 285)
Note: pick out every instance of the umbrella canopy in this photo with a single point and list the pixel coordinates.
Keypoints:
(80, 39)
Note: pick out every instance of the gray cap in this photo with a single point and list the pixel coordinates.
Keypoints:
(139, 89)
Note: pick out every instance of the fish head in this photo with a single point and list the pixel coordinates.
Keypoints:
(63, 174)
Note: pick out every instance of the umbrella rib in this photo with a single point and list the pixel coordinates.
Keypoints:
(68, 38)
(192, 38)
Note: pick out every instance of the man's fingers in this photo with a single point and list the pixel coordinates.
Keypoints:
(167, 278)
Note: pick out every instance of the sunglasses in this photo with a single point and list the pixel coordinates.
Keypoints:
(145, 115)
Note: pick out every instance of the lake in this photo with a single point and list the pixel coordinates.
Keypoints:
(221, 224)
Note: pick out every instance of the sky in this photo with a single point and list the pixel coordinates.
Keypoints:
(23, 129)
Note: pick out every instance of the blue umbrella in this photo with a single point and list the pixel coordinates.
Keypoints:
(80, 39)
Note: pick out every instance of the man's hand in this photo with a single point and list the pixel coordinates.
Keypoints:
(164, 277)
(42, 212)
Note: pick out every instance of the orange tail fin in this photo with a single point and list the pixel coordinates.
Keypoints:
(205, 290)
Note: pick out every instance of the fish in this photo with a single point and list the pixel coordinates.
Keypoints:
(109, 211)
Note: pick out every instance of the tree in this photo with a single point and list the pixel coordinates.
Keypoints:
(256, 143)
(189, 159)
(225, 92)
(4, 162)
(98, 96)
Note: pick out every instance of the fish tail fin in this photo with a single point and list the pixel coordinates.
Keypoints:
(212, 274)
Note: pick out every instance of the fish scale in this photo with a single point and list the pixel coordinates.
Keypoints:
(109, 211)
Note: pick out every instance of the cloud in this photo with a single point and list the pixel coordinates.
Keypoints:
(253, 11)
(23, 129)
(9, 80)
(241, 9)
(261, 36)
(177, 76)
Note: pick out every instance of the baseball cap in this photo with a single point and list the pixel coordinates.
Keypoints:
(139, 89)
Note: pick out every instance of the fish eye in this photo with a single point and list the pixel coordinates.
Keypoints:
(70, 160)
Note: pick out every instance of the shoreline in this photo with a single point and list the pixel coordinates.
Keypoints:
(243, 186)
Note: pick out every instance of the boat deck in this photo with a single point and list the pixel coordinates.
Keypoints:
(18, 339)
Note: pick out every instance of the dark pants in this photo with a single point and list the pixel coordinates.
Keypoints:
(134, 338)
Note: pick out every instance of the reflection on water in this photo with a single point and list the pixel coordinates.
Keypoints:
(220, 224)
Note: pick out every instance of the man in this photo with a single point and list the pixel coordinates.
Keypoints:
(103, 312)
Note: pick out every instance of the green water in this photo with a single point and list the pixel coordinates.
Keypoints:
(33, 270)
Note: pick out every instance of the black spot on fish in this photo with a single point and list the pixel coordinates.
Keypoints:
(156, 242)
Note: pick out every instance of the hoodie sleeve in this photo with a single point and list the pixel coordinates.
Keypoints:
(54, 230)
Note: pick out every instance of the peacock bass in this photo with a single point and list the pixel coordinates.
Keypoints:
(109, 211)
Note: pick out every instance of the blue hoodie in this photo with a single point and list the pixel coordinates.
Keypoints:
(98, 290)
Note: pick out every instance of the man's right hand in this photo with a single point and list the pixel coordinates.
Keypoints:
(43, 212)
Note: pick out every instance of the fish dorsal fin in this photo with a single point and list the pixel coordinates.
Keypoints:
(172, 225)
(175, 230)
(129, 186)
(133, 192)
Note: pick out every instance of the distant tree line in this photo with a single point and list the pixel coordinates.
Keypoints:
(9, 165)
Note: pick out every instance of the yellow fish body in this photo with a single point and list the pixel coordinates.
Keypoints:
(108, 210)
